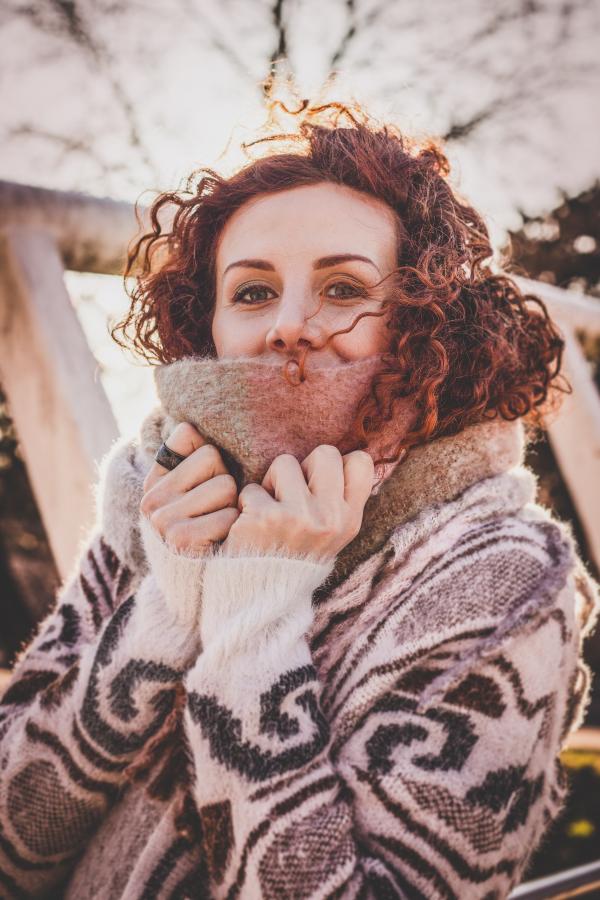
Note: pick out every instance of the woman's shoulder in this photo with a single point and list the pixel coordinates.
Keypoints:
(499, 613)
(490, 585)
(574, 584)
(494, 536)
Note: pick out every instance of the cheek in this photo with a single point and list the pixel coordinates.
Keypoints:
(236, 335)
(368, 337)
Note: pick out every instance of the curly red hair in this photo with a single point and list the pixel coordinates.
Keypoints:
(464, 341)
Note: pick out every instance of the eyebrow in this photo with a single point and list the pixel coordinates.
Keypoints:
(323, 263)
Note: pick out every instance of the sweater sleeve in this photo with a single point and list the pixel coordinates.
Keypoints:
(93, 687)
(394, 784)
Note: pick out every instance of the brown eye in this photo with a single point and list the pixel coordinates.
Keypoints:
(251, 291)
(348, 291)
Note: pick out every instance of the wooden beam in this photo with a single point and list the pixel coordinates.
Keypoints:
(574, 433)
(91, 233)
(575, 311)
(575, 439)
(61, 413)
(5, 676)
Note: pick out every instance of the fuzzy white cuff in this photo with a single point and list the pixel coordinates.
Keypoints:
(178, 575)
(248, 599)
(155, 632)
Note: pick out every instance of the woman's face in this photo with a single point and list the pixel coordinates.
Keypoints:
(279, 253)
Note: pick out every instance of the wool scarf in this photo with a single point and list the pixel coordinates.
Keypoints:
(251, 413)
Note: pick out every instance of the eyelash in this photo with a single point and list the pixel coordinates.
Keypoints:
(359, 292)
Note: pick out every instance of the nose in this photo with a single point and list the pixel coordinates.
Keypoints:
(295, 328)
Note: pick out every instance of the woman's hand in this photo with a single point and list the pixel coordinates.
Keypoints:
(195, 504)
(313, 508)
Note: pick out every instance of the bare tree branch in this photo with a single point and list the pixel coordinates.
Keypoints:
(199, 15)
(279, 53)
(69, 23)
(349, 33)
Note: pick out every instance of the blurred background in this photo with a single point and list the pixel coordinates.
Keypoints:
(117, 99)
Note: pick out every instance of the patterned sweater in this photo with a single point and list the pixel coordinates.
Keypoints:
(387, 725)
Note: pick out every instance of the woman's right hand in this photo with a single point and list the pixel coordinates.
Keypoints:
(194, 505)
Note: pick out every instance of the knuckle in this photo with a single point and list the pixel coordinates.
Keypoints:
(305, 514)
(334, 521)
(148, 503)
(284, 459)
(157, 520)
(321, 529)
(231, 515)
(176, 535)
(268, 517)
(180, 536)
(185, 431)
(228, 487)
(319, 523)
(327, 450)
(245, 492)
(365, 457)
(224, 519)
(324, 454)
(210, 453)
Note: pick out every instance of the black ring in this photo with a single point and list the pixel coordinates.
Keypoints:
(168, 458)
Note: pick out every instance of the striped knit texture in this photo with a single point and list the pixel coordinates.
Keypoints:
(398, 738)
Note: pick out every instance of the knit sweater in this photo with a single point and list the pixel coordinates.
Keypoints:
(384, 725)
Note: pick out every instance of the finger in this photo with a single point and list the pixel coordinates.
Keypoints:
(324, 471)
(203, 464)
(184, 439)
(285, 479)
(216, 493)
(192, 535)
(252, 497)
(358, 476)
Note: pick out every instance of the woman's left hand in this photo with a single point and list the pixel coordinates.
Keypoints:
(313, 508)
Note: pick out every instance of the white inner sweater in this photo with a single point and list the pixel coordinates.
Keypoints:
(399, 737)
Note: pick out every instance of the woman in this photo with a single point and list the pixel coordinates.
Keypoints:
(323, 642)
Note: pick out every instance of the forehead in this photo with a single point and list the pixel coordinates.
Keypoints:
(312, 220)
